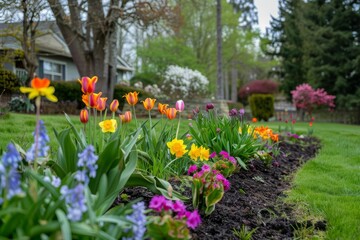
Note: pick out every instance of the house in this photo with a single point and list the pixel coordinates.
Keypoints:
(54, 57)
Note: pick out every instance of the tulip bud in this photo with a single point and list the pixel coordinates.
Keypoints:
(93, 99)
(242, 112)
(126, 117)
(84, 116)
(209, 106)
(171, 113)
(179, 105)
(101, 104)
(114, 105)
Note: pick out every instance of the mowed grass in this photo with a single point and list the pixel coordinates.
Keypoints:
(329, 185)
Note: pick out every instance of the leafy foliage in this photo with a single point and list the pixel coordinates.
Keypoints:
(8, 82)
(305, 97)
(262, 106)
(258, 86)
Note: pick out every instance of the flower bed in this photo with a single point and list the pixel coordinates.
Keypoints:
(73, 193)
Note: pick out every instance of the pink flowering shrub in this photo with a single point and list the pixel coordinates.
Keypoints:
(173, 220)
(208, 187)
(307, 98)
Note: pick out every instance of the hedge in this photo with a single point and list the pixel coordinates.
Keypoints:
(262, 106)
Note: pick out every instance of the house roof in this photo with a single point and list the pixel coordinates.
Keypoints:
(51, 41)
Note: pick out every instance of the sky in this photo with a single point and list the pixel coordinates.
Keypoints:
(266, 8)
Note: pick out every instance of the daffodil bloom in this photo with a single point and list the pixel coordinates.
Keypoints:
(126, 117)
(171, 113)
(194, 152)
(108, 125)
(149, 103)
(114, 105)
(88, 84)
(101, 104)
(132, 98)
(162, 108)
(204, 153)
(84, 116)
(93, 99)
(40, 88)
(177, 147)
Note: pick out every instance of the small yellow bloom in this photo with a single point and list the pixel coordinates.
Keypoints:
(40, 87)
(204, 153)
(177, 147)
(194, 152)
(108, 125)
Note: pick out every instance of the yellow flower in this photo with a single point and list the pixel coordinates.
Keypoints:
(108, 125)
(40, 87)
(177, 147)
(194, 152)
(204, 154)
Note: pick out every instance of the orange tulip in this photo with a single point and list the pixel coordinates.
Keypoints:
(88, 84)
(84, 116)
(132, 98)
(310, 124)
(126, 117)
(101, 104)
(254, 120)
(85, 99)
(114, 105)
(171, 113)
(162, 108)
(149, 103)
(93, 99)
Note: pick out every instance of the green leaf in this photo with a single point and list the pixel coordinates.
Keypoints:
(64, 224)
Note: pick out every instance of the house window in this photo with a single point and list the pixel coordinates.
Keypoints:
(54, 70)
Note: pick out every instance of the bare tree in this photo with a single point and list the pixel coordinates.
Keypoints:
(220, 81)
(22, 18)
(90, 29)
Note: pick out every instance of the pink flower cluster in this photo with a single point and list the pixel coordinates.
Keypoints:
(209, 177)
(305, 97)
(225, 155)
(161, 204)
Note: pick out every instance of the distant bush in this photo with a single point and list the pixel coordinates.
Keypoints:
(262, 106)
(257, 86)
(8, 82)
(68, 91)
(146, 78)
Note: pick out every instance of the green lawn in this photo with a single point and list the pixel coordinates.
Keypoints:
(329, 185)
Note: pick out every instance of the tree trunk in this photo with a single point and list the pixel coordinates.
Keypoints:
(234, 81)
(220, 82)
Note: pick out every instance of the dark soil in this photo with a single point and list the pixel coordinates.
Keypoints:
(255, 198)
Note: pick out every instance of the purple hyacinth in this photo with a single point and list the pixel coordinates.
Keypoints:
(11, 158)
(75, 199)
(233, 112)
(87, 164)
(138, 218)
(39, 149)
(241, 112)
(9, 176)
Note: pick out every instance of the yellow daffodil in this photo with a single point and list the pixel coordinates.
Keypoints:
(194, 152)
(204, 153)
(177, 147)
(40, 88)
(108, 125)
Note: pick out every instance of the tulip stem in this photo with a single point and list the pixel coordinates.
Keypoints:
(150, 120)
(37, 129)
(178, 126)
(136, 122)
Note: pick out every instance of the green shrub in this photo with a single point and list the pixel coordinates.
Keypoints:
(262, 106)
(120, 90)
(236, 105)
(8, 82)
(20, 104)
(68, 91)
(147, 78)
